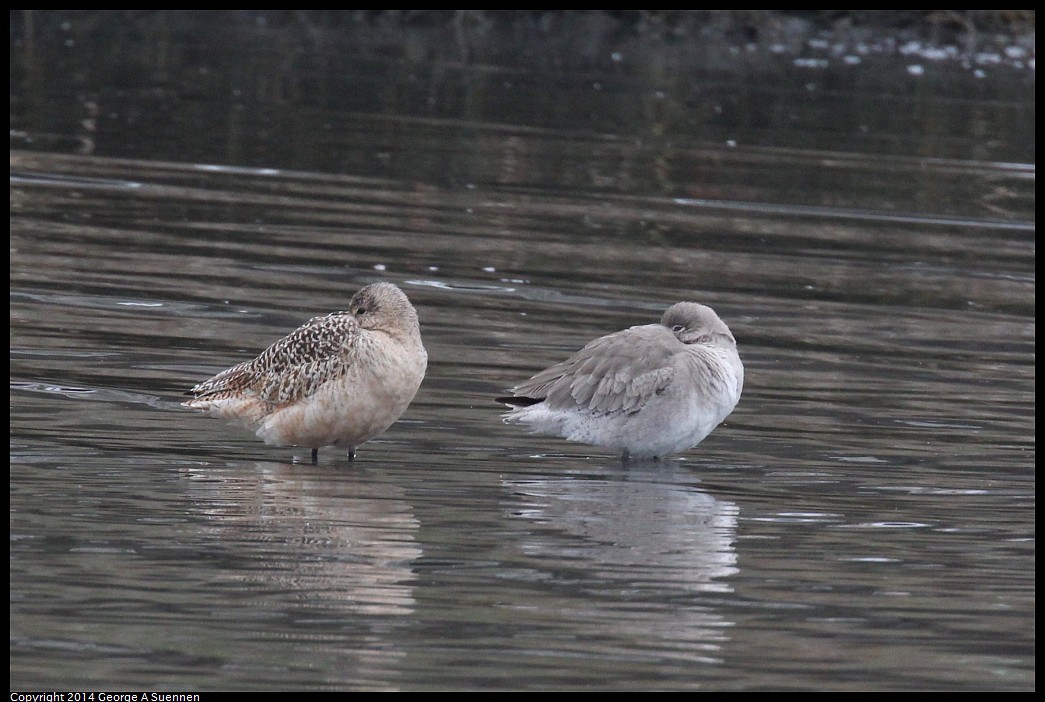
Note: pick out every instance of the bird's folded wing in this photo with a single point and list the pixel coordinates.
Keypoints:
(615, 373)
(292, 368)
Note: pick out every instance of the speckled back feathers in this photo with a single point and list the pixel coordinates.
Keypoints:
(293, 367)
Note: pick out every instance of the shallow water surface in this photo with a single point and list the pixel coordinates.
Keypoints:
(863, 520)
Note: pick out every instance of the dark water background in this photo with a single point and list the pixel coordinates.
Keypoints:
(860, 210)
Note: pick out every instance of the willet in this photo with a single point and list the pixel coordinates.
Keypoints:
(338, 380)
(647, 391)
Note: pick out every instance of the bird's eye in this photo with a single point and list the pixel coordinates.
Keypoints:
(360, 310)
(678, 328)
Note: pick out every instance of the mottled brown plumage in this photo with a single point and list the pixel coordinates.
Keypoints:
(340, 379)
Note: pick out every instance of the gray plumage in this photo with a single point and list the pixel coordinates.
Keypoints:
(647, 391)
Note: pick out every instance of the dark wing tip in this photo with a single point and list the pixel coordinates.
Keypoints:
(519, 401)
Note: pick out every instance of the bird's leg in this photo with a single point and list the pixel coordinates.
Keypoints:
(351, 453)
(315, 456)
